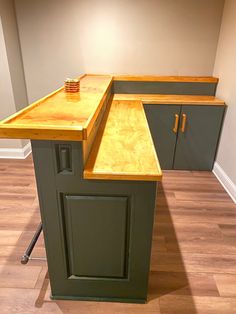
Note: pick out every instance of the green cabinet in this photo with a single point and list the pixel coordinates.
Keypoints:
(98, 233)
(161, 120)
(185, 137)
(197, 144)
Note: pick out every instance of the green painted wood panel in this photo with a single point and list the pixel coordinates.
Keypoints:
(161, 120)
(96, 235)
(196, 147)
(53, 185)
(178, 88)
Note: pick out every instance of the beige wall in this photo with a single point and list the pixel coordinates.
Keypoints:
(225, 68)
(10, 30)
(7, 103)
(49, 35)
(13, 94)
(61, 38)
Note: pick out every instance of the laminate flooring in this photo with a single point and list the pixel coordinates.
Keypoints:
(193, 264)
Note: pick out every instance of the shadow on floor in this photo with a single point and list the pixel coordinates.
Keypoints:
(168, 276)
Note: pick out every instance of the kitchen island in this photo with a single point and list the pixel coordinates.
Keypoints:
(97, 172)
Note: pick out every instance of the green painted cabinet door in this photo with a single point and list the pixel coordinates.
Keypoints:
(161, 120)
(96, 230)
(197, 143)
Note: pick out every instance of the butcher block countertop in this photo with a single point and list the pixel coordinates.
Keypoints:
(124, 149)
(63, 116)
(172, 99)
(60, 115)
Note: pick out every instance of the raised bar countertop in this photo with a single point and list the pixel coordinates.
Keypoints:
(172, 99)
(60, 115)
(124, 148)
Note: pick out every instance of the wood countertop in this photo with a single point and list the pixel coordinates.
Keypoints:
(121, 147)
(124, 149)
(60, 115)
(171, 99)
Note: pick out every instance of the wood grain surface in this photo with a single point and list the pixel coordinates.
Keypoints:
(60, 115)
(184, 229)
(172, 99)
(124, 149)
(71, 116)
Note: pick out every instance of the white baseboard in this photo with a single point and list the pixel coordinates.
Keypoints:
(16, 153)
(226, 182)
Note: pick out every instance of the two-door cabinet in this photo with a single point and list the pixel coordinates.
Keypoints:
(185, 136)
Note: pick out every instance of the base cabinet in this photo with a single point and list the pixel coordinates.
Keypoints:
(98, 233)
(185, 137)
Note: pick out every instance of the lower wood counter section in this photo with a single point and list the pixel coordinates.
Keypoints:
(156, 99)
(123, 149)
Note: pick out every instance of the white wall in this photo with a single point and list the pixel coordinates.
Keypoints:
(225, 69)
(61, 38)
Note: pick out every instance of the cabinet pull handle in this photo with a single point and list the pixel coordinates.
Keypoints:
(65, 158)
(175, 128)
(184, 118)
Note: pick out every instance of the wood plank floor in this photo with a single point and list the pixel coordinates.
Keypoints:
(193, 266)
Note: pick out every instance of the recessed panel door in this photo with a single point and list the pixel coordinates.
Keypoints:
(96, 233)
(163, 122)
(198, 137)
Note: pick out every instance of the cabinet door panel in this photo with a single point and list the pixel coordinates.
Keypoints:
(161, 120)
(196, 146)
(96, 230)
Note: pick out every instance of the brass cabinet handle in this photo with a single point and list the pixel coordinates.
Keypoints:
(184, 118)
(175, 128)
